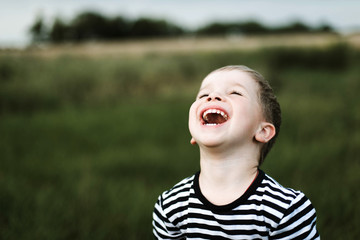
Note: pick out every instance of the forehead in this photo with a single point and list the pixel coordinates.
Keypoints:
(230, 78)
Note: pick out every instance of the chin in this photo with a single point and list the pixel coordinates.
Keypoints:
(212, 146)
(210, 143)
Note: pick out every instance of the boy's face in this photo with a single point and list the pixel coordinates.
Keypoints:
(226, 111)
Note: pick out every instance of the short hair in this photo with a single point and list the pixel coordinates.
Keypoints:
(268, 101)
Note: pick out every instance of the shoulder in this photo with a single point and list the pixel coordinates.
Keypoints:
(178, 193)
(286, 198)
(275, 190)
(276, 198)
(292, 212)
(170, 210)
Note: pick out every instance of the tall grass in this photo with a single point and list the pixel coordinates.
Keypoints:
(87, 145)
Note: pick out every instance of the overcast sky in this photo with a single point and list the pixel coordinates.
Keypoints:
(16, 16)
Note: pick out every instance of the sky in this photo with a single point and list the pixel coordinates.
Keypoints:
(16, 16)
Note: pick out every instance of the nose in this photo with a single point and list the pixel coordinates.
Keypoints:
(214, 96)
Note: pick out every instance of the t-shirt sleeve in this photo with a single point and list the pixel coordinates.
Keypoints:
(298, 222)
(162, 227)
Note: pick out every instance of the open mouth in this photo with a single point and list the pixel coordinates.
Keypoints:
(213, 117)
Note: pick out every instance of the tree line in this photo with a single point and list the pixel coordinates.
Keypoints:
(95, 26)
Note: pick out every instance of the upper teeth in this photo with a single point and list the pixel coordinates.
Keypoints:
(215, 111)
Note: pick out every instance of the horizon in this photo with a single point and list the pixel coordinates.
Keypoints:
(342, 16)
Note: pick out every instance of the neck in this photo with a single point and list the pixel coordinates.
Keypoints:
(228, 168)
(225, 176)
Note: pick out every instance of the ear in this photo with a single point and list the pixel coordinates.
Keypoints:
(265, 133)
(192, 141)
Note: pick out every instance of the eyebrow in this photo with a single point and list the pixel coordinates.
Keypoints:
(240, 85)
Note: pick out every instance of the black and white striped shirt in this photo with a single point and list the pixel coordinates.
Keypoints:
(265, 211)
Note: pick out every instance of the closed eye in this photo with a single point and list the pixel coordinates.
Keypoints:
(204, 95)
(236, 93)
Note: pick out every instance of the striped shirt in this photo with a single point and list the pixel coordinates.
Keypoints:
(266, 210)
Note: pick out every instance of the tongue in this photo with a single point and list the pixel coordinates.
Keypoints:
(215, 118)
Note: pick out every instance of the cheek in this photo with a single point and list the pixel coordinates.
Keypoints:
(254, 118)
(192, 115)
(192, 111)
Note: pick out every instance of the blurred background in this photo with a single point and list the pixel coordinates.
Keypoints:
(94, 100)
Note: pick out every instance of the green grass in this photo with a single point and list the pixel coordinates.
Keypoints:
(90, 173)
(87, 145)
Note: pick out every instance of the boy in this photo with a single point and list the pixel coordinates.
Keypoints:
(234, 121)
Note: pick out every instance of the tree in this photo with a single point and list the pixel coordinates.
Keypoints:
(295, 27)
(88, 25)
(325, 28)
(38, 30)
(145, 27)
(59, 31)
(215, 29)
(117, 28)
(250, 27)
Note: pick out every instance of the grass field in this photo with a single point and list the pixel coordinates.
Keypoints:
(88, 143)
